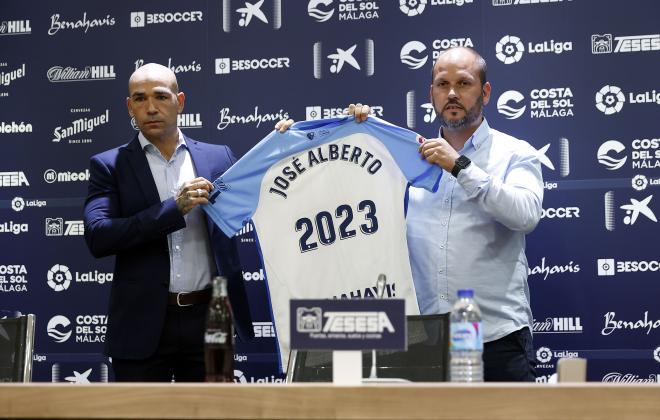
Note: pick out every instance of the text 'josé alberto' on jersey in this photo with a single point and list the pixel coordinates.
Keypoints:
(328, 202)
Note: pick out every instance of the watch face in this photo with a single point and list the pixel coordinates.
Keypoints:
(462, 161)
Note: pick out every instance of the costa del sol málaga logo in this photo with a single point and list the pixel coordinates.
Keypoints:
(610, 99)
(509, 49)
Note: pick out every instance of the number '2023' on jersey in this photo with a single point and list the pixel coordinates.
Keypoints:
(328, 201)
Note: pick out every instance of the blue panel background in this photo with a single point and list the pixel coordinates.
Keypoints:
(573, 305)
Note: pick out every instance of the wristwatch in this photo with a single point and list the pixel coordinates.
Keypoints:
(461, 162)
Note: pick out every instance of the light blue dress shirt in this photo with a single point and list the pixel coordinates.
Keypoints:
(191, 260)
(471, 232)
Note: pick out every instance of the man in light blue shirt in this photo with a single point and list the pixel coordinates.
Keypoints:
(471, 232)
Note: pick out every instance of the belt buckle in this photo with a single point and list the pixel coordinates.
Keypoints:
(178, 302)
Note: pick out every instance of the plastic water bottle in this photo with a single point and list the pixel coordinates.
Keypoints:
(466, 341)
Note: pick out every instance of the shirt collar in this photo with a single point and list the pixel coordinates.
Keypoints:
(147, 145)
(478, 137)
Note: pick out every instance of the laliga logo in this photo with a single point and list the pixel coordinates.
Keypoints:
(544, 354)
(608, 161)
(318, 14)
(18, 204)
(54, 331)
(412, 7)
(509, 49)
(656, 354)
(59, 277)
(408, 59)
(239, 377)
(610, 99)
(509, 111)
(640, 182)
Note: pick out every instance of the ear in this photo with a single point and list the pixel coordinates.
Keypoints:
(129, 106)
(486, 92)
(181, 100)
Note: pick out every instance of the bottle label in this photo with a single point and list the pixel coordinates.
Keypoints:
(215, 337)
(466, 336)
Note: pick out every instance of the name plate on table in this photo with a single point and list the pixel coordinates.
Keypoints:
(348, 324)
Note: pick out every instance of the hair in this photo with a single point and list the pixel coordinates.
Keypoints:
(482, 68)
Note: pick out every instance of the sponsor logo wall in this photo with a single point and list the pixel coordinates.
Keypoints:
(563, 84)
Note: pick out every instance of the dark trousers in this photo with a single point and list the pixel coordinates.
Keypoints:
(180, 352)
(510, 359)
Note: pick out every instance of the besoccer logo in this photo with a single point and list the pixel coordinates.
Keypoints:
(640, 182)
(53, 328)
(412, 7)
(18, 204)
(59, 277)
(606, 267)
(318, 14)
(544, 354)
(137, 19)
(601, 44)
(610, 99)
(408, 59)
(511, 111)
(509, 49)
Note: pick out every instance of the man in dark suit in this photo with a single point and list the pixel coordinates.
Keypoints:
(143, 207)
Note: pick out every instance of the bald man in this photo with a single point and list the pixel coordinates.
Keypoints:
(143, 207)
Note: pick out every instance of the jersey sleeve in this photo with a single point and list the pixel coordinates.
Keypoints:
(403, 145)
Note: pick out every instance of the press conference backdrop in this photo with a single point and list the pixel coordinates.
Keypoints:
(577, 79)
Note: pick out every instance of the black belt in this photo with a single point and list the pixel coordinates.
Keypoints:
(198, 297)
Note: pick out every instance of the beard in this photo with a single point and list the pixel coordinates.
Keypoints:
(471, 115)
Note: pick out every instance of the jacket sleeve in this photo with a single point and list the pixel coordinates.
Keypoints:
(107, 230)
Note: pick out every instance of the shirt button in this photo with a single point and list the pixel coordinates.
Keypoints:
(442, 246)
(441, 270)
(177, 247)
(178, 276)
(446, 200)
(442, 296)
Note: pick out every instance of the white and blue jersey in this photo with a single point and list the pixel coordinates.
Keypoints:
(328, 203)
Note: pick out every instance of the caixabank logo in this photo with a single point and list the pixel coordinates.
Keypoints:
(563, 149)
(343, 10)
(13, 278)
(607, 44)
(412, 8)
(82, 328)
(92, 73)
(249, 14)
(344, 60)
(77, 130)
(510, 48)
(15, 27)
(79, 373)
(142, 19)
(610, 99)
(414, 53)
(636, 211)
(554, 102)
(413, 107)
(85, 23)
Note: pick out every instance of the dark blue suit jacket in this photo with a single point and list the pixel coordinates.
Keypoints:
(125, 217)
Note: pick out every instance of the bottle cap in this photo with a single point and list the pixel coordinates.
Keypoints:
(465, 293)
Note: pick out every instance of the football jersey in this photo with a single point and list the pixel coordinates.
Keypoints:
(327, 200)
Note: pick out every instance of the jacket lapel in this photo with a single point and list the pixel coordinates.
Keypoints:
(145, 179)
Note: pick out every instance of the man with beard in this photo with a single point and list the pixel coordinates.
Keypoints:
(471, 232)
